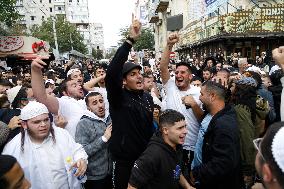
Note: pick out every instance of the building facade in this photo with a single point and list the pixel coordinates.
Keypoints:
(97, 36)
(213, 26)
(76, 12)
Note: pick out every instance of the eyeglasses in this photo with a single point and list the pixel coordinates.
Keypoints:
(257, 143)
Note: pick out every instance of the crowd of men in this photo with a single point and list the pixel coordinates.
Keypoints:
(207, 123)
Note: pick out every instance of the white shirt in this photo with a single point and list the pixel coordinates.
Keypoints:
(44, 164)
(72, 110)
(173, 101)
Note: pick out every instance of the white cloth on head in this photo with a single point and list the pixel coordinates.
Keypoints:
(12, 93)
(33, 109)
(277, 148)
(38, 163)
(72, 110)
(71, 71)
(173, 101)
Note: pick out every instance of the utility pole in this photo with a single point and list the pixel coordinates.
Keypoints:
(55, 36)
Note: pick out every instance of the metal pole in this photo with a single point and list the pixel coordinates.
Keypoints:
(55, 35)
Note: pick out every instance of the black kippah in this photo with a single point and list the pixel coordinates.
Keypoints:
(6, 163)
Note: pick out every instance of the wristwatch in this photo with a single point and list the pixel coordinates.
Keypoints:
(130, 39)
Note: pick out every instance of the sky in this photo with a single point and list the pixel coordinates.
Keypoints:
(113, 14)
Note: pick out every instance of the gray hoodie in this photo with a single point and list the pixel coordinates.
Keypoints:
(89, 132)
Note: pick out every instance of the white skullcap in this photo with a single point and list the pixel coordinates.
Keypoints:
(49, 81)
(12, 93)
(273, 69)
(33, 109)
(71, 71)
(254, 69)
(277, 148)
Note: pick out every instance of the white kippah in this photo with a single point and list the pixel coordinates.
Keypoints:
(33, 109)
(72, 71)
(277, 148)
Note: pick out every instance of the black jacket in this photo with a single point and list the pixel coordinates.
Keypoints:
(159, 167)
(131, 112)
(220, 168)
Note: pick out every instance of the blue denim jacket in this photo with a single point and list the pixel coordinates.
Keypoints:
(197, 160)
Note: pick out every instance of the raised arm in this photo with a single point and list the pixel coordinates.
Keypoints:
(165, 60)
(278, 56)
(38, 87)
(114, 77)
(89, 86)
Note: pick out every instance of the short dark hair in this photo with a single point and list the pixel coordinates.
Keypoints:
(5, 82)
(207, 69)
(6, 164)
(196, 78)
(266, 151)
(147, 75)
(219, 89)
(63, 86)
(225, 70)
(169, 117)
(90, 95)
(184, 64)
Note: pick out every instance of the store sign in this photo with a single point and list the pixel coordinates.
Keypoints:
(264, 19)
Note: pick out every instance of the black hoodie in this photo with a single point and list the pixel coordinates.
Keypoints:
(158, 167)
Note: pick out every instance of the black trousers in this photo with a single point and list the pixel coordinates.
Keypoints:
(121, 173)
(105, 183)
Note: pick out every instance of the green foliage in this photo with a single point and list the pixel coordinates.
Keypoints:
(97, 54)
(67, 35)
(111, 53)
(8, 12)
(146, 40)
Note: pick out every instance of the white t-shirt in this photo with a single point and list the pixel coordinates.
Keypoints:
(173, 101)
(72, 110)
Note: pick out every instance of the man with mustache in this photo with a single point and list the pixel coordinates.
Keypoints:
(131, 110)
(93, 132)
(42, 151)
(182, 97)
(70, 105)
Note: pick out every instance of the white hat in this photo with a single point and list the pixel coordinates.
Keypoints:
(274, 68)
(72, 71)
(33, 109)
(49, 81)
(12, 93)
(277, 148)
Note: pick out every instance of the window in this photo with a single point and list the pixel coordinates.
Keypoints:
(32, 17)
(59, 8)
(49, 1)
(70, 1)
(50, 9)
(40, 1)
(42, 17)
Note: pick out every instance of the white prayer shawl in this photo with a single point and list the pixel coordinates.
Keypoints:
(66, 145)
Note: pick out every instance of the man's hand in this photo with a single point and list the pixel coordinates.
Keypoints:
(172, 39)
(135, 29)
(37, 64)
(107, 133)
(81, 166)
(278, 56)
(188, 100)
(60, 121)
(14, 122)
(102, 77)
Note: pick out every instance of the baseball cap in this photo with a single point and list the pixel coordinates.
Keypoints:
(128, 66)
